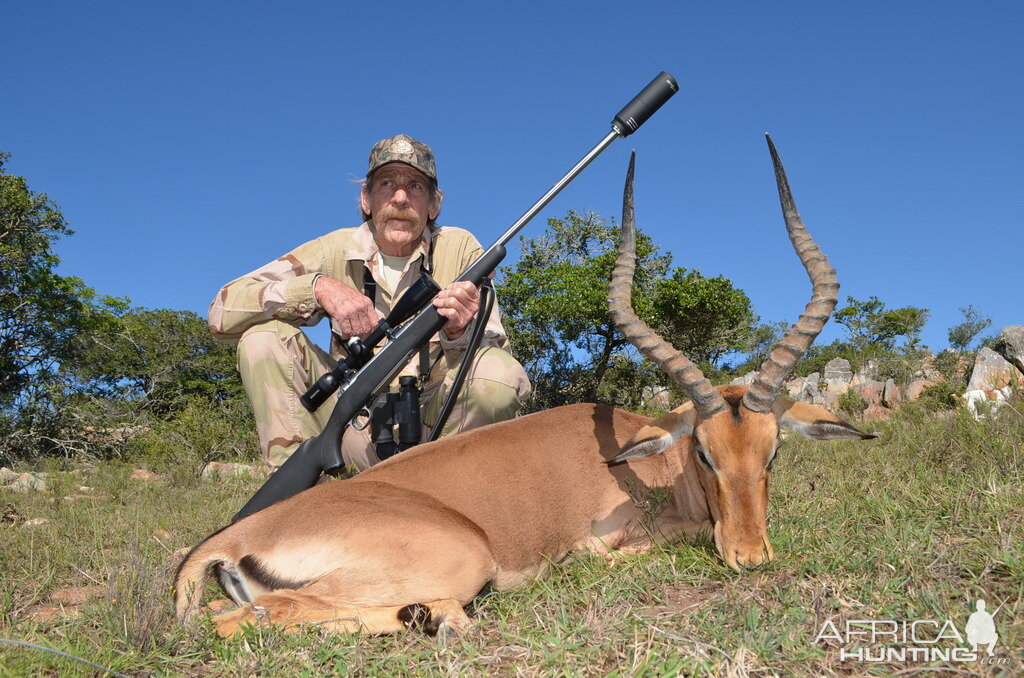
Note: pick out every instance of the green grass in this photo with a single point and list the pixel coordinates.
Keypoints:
(915, 525)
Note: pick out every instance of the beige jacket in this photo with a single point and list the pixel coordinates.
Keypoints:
(283, 289)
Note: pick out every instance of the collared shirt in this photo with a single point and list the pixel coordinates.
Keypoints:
(283, 289)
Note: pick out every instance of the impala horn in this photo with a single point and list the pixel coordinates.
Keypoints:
(777, 366)
(706, 400)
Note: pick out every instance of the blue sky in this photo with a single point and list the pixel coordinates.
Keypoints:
(189, 143)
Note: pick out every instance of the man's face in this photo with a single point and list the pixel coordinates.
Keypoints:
(400, 204)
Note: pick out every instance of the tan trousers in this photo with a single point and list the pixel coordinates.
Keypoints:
(278, 363)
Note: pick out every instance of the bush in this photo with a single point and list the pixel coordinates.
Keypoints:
(941, 396)
(199, 434)
(853, 403)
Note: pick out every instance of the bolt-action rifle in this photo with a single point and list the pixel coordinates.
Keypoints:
(363, 373)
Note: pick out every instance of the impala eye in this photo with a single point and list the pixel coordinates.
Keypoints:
(702, 457)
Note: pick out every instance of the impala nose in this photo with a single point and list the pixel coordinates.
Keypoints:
(756, 556)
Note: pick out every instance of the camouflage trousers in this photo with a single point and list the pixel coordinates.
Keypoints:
(278, 363)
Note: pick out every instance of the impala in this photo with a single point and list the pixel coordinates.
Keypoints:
(412, 540)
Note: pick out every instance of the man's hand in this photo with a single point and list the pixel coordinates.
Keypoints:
(458, 303)
(352, 309)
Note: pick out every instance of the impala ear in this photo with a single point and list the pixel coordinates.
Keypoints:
(815, 422)
(659, 435)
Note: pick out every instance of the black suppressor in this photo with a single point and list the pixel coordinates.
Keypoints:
(645, 104)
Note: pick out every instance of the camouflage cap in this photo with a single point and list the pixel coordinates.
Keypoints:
(403, 148)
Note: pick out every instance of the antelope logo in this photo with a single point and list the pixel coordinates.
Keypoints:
(412, 540)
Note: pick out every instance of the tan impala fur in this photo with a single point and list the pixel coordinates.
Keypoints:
(413, 539)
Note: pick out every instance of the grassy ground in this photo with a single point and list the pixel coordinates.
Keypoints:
(916, 525)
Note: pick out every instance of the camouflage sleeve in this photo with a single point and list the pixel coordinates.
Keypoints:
(283, 290)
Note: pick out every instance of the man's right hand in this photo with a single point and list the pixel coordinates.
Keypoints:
(352, 309)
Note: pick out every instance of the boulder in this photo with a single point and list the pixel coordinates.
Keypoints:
(1013, 342)
(868, 371)
(917, 387)
(891, 397)
(876, 412)
(871, 391)
(808, 393)
(794, 386)
(830, 401)
(657, 396)
(746, 380)
(992, 372)
(22, 482)
(838, 375)
(217, 470)
(983, 403)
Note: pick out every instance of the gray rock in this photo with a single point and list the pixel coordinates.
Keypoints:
(746, 380)
(917, 387)
(1013, 339)
(830, 401)
(808, 393)
(657, 396)
(871, 391)
(867, 372)
(992, 372)
(22, 482)
(838, 375)
(982, 403)
(794, 386)
(838, 368)
(891, 397)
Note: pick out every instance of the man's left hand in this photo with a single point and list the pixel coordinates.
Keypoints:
(458, 303)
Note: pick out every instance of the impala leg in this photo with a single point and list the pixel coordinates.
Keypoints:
(290, 612)
(665, 529)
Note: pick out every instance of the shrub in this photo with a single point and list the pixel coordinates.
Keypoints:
(941, 396)
(853, 403)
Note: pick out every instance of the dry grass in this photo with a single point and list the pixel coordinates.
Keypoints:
(913, 526)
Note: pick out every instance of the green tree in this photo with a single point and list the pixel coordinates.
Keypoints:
(160, 358)
(705, 318)
(555, 303)
(39, 309)
(870, 323)
(962, 334)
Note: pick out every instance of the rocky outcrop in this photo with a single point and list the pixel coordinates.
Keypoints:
(992, 372)
(875, 412)
(994, 378)
(1013, 345)
(917, 387)
(22, 482)
(838, 375)
(891, 396)
(746, 380)
(870, 390)
(657, 397)
(216, 470)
